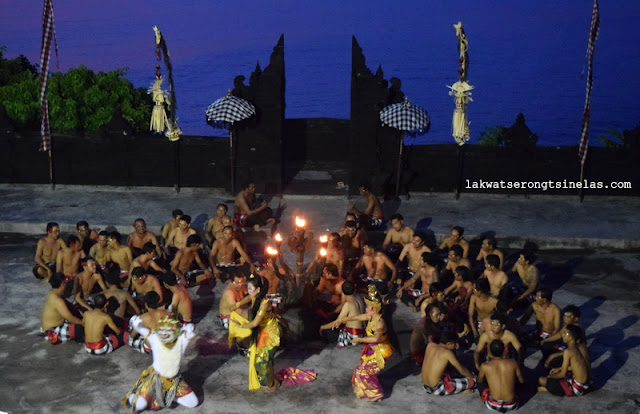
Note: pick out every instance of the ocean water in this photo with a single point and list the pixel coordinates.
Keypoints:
(525, 56)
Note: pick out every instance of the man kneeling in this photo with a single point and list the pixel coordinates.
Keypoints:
(436, 358)
(96, 342)
(500, 374)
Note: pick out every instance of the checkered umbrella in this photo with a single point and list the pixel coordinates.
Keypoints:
(411, 120)
(406, 117)
(223, 113)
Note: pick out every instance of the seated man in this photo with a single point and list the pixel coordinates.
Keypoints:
(178, 237)
(572, 379)
(148, 320)
(231, 297)
(172, 224)
(222, 255)
(456, 239)
(547, 316)
(100, 251)
(96, 340)
(127, 306)
(489, 247)
(68, 259)
(436, 359)
(496, 277)
(143, 283)
(247, 213)
(552, 346)
(455, 258)
(58, 324)
(498, 332)
(120, 255)
(146, 259)
(334, 254)
(529, 277)
(352, 242)
(274, 275)
(47, 252)
(376, 264)
(188, 266)
(461, 288)
(413, 251)
(86, 281)
(352, 305)
(330, 282)
(500, 374)
(181, 303)
(427, 274)
(397, 237)
(371, 218)
(142, 236)
(436, 320)
(481, 303)
(217, 223)
(87, 236)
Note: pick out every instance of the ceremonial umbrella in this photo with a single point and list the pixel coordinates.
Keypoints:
(410, 119)
(223, 113)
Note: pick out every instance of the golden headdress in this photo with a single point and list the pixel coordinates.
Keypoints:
(373, 299)
(168, 322)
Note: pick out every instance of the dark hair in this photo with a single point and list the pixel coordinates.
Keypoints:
(431, 259)
(354, 215)
(177, 212)
(546, 294)
(247, 184)
(436, 287)
(186, 218)
(370, 243)
(85, 260)
(500, 317)
(575, 332)
(447, 337)
(227, 227)
(350, 223)
(332, 269)
(493, 260)
(464, 273)
(397, 216)
(226, 208)
(528, 256)
(459, 229)
(497, 348)
(148, 247)
(573, 309)
(141, 220)
(72, 240)
(457, 250)
(99, 301)
(419, 235)
(365, 186)
(491, 241)
(482, 286)
(137, 271)
(51, 225)
(430, 308)
(56, 280)
(193, 239)
(169, 278)
(115, 236)
(261, 283)
(348, 288)
(112, 273)
(104, 233)
(152, 299)
(82, 223)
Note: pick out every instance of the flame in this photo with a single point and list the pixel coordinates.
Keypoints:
(324, 239)
(278, 237)
(323, 252)
(300, 222)
(271, 251)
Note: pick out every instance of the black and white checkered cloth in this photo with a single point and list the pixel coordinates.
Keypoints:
(406, 117)
(225, 111)
(48, 33)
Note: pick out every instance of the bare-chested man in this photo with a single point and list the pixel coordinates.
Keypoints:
(500, 374)
(120, 255)
(188, 265)
(149, 319)
(86, 281)
(181, 303)
(413, 251)
(456, 239)
(371, 218)
(334, 254)
(462, 286)
(142, 236)
(88, 237)
(247, 213)
(68, 259)
(496, 277)
(552, 346)
(352, 305)
(58, 324)
(397, 236)
(222, 255)
(376, 264)
(497, 331)
(145, 259)
(274, 275)
(143, 283)
(96, 341)
(330, 282)
(572, 379)
(436, 358)
(482, 304)
(547, 315)
(178, 237)
(100, 251)
(455, 258)
(128, 306)
(172, 224)
(427, 274)
(231, 297)
(529, 276)
(47, 252)
(489, 246)
(352, 241)
(216, 224)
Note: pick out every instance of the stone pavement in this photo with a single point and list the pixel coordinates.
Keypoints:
(36, 377)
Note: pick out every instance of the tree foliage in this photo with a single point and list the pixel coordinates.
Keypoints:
(79, 100)
(492, 136)
(614, 140)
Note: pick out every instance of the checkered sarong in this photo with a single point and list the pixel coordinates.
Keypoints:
(62, 333)
(106, 348)
(450, 386)
(347, 335)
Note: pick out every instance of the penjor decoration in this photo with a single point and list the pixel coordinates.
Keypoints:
(461, 91)
(159, 118)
